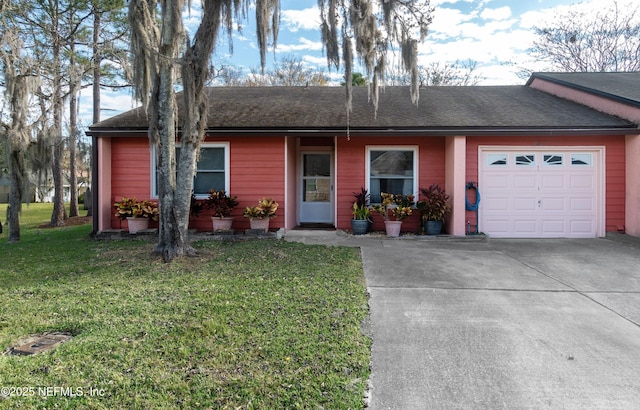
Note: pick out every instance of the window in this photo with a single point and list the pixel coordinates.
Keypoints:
(497, 159)
(553, 159)
(525, 159)
(212, 170)
(581, 159)
(391, 170)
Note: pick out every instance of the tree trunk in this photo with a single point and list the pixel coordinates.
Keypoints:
(58, 214)
(74, 87)
(173, 234)
(97, 77)
(15, 194)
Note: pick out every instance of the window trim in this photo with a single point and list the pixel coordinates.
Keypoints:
(226, 145)
(416, 161)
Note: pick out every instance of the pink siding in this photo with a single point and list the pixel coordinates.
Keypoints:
(130, 173)
(351, 157)
(615, 167)
(256, 171)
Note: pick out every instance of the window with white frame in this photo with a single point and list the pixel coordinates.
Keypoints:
(212, 170)
(391, 170)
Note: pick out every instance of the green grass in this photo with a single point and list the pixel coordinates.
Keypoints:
(257, 324)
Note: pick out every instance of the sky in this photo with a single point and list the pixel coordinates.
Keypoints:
(494, 33)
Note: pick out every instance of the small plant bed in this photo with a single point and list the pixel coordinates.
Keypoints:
(251, 324)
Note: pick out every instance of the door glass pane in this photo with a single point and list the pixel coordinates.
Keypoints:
(317, 165)
(316, 189)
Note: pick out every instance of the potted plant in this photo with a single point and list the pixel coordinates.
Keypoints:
(396, 206)
(196, 207)
(137, 213)
(433, 208)
(260, 215)
(222, 206)
(361, 221)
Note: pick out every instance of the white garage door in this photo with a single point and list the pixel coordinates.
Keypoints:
(541, 193)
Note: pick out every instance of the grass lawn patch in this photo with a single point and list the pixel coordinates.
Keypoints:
(257, 324)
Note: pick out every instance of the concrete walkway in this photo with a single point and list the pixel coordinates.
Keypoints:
(503, 323)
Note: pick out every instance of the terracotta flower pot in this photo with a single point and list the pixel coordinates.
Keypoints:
(137, 224)
(222, 223)
(260, 224)
(393, 228)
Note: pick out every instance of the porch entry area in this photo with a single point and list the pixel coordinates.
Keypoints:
(316, 188)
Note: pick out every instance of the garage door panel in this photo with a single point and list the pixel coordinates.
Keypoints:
(499, 204)
(582, 204)
(582, 182)
(554, 181)
(585, 226)
(498, 181)
(525, 227)
(525, 204)
(525, 182)
(497, 227)
(553, 204)
(553, 227)
(549, 196)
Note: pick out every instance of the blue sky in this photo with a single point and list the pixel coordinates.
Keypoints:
(491, 32)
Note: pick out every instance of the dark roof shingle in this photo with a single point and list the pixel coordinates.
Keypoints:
(621, 86)
(476, 107)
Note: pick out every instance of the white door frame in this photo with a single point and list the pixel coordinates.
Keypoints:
(330, 206)
(599, 163)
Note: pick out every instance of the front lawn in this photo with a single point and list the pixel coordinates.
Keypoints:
(258, 324)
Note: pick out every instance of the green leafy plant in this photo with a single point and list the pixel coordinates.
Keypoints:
(361, 212)
(361, 209)
(398, 206)
(221, 203)
(196, 207)
(266, 208)
(435, 205)
(132, 208)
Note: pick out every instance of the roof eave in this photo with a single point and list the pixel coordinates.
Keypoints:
(432, 132)
(385, 132)
(582, 88)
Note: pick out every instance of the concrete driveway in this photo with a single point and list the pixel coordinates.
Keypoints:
(504, 324)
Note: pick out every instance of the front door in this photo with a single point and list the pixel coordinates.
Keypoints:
(316, 188)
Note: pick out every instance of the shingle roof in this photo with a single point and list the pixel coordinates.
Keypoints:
(439, 108)
(624, 86)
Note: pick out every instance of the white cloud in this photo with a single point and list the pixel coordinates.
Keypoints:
(501, 13)
(294, 20)
(304, 44)
(447, 21)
